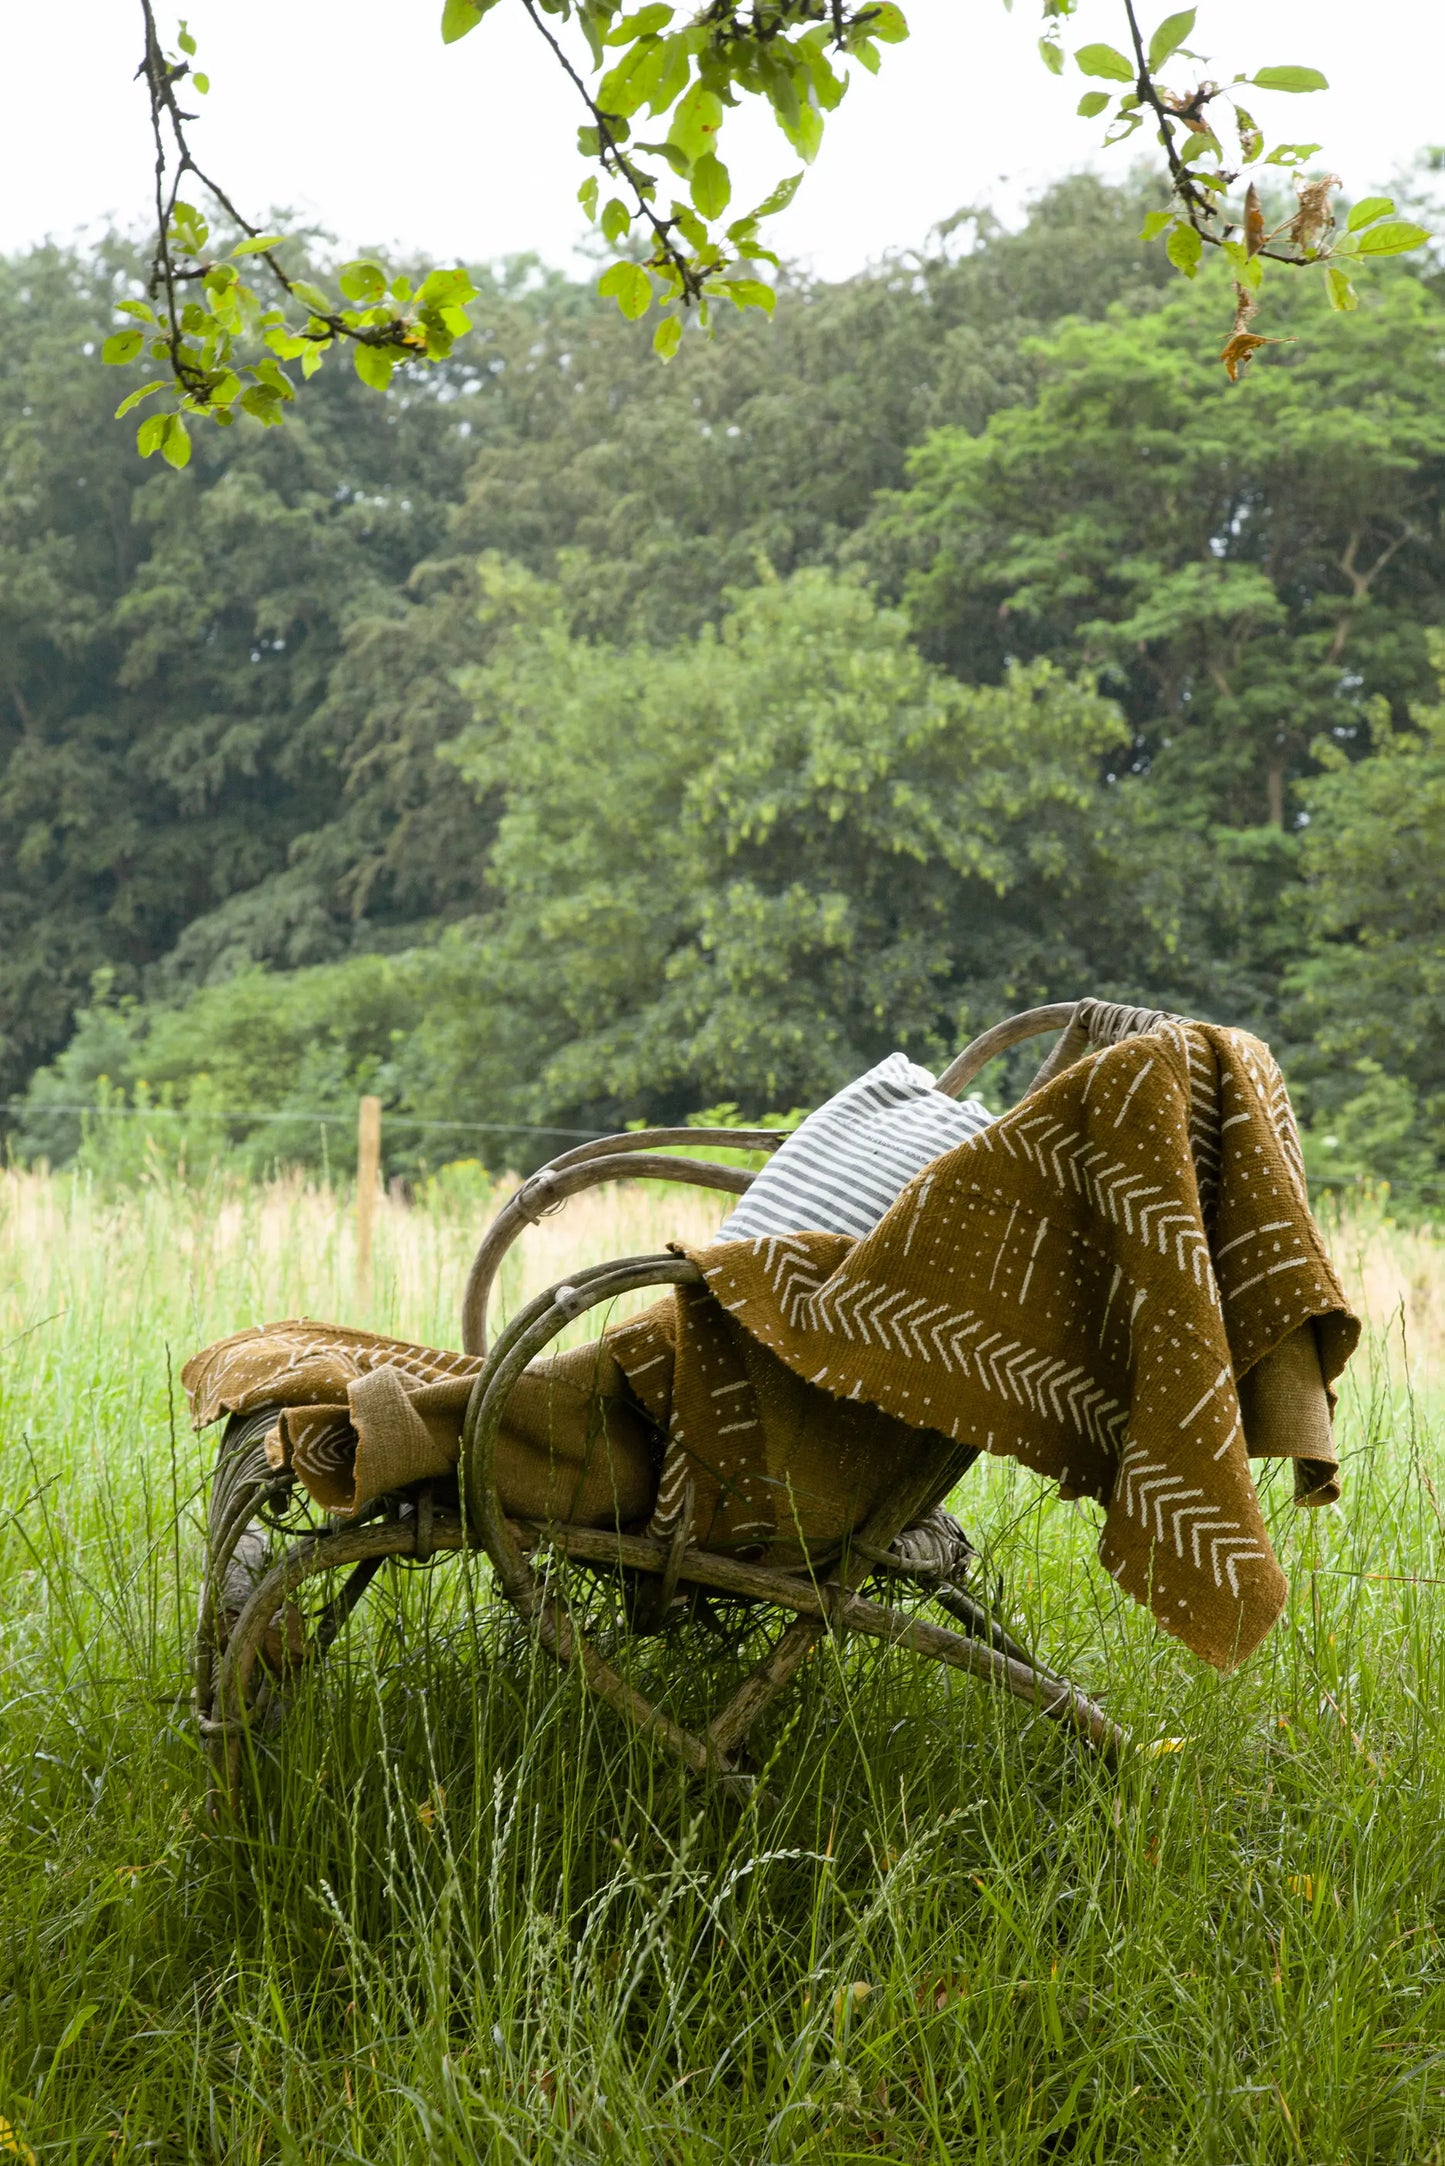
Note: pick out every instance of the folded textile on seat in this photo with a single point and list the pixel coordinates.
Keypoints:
(358, 1415)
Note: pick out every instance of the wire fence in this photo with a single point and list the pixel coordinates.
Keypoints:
(325, 1119)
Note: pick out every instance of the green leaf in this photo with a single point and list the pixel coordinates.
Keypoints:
(1367, 210)
(632, 81)
(674, 66)
(689, 225)
(157, 383)
(780, 198)
(696, 122)
(1052, 55)
(1203, 143)
(122, 346)
(257, 243)
(804, 130)
(587, 195)
(1251, 138)
(887, 23)
(1155, 223)
(1104, 60)
(460, 16)
(1289, 79)
(176, 443)
(616, 224)
(270, 373)
(151, 434)
(202, 83)
(374, 365)
(679, 161)
(188, 229)
(142, 309)
(750, 293)
(628, 284)
(313, 296)
(1396, 238)
(446, 289)
(1184, 249)
(644, 24)
(1342, 294)
(667, 337)
(187, 45)
(1248, 269)
(712, 189)
(1292, 154)
(1092, 102)
(362, 281)
(1170, 35)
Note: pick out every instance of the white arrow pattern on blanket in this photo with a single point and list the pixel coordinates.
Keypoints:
(1150, 1489)
(867, 1313)
(1071, 1160)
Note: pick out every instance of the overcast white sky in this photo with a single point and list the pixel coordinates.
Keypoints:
(357, 115)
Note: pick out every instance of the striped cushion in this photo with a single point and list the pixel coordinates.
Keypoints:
(840, 1171)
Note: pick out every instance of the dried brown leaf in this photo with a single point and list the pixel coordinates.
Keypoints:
(1314, 218)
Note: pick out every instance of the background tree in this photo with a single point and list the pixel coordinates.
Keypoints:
(1243, 586)
(248, 809)
(1370, 1013)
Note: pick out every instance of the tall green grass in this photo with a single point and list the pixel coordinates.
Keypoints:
(467, 1916)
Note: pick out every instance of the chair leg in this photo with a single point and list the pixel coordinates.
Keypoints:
(555, 1630)
(729, 1727)
(832, 1608)
(1020, 1675)
(234, 1705)
(366, 1549)
(980, 1623)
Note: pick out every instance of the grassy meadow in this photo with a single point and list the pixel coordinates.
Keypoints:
(466, 1916)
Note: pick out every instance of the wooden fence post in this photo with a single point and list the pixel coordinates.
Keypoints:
(368, 1176)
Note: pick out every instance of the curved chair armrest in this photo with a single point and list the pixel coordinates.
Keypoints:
(654, 1139)
(524, 1339)
(568, 1176)
(1012, 1031)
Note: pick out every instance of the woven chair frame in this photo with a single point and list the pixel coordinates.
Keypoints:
(239, 1696)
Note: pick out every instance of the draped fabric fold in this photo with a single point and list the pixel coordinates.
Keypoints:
(1083, 1286)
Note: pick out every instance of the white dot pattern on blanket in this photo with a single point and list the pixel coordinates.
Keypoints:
(851, 1159)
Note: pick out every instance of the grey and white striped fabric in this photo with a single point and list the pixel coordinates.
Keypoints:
(840, 1171)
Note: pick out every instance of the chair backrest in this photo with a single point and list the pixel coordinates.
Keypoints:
(639, 1154)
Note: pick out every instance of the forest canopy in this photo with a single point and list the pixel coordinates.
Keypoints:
(975, 645)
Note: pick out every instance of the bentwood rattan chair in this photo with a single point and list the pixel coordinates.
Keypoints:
(266, 1542)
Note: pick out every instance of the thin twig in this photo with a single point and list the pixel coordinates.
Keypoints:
(615, 161)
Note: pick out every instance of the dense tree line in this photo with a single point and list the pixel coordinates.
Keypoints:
(974, 646)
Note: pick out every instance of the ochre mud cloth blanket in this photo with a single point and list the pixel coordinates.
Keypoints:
(1119, 1284)
(1090, 1286)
